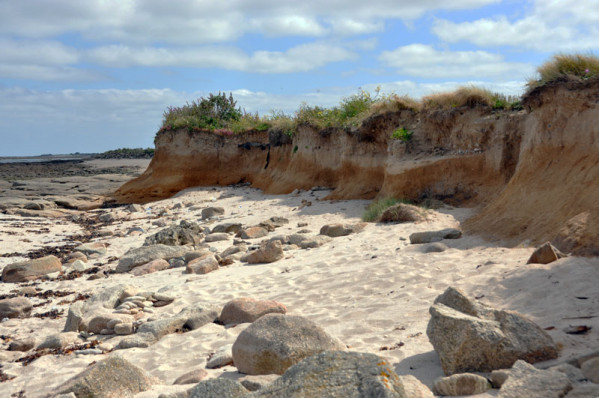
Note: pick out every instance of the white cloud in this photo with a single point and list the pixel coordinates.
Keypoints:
(565, 25)
(425, 61)
(301, 58)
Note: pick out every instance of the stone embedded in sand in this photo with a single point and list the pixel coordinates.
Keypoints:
(193, 377)
(107, 218)
(402, 212)
(414, 388)
(24, 271)
(142, 255)
(254, 232)
(461, 384)
(217, 237)
(222, 357)
(435, 247)
(60, 340)
(469, 336)
(79, 266)
(112, 377)
(590, 369)
(135, 208)
(545, 254)
(210, 212)
(574, 374)
(338, 374)
(218, 388)
(98, 320)
(257, 382)
(202, 265)
(186, 233)
(435, 236)
(267, 253)
(151, 267)
(336, 230)
(274, 342)
(245, 309)
(17, 307)
(526, 381)
(92, 248)
(22, 345)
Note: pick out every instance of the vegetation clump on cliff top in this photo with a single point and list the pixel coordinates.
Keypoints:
(566, 66)
(127, 153)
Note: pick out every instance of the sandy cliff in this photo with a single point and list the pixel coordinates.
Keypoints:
(534, 173)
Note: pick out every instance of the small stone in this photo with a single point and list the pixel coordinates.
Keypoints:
(17, 307)
(461, 384)
(254, 232)
(22, 345)
(336, 230)
(222, 357)
(590, 369)
(210, 212)
(123, 328)
(498, 377)
(193, 377)
(79, 266)
(202, 265)
(60, 340)
(217, 237)
(89, 351)
(107, 218)
(151, 267)
(435, 236)
(97, 248)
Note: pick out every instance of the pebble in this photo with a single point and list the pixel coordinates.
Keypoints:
(90, 351)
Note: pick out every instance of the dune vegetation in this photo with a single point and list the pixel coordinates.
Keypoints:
(219, 113)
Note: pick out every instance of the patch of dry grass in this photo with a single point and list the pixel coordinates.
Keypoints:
(569, 66)
(464, 96)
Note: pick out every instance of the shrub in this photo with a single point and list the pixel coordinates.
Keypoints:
(214, 112)
(377, 207)
(578, 66)
(402, 134)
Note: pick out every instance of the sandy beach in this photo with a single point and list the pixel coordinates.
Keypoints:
(371, 289)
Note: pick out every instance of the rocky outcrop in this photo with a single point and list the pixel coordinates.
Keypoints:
(469, 336)
(534, 170)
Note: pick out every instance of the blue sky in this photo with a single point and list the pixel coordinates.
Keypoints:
(94, 75)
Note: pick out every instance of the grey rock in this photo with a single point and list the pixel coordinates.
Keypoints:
(192, 377)
(107, 218)
(274, 342)
(17, 307)
(233, 250)
(60, 340)
(199, 315)
(590, 369)
(217, 237)
(135, 208)
(526, 381)
(112, 377)
(186, 233)
(218, 388)
(461, 384)
(255, 383)
(584, 391)
(230, 228)
(24, 271)
(337, 374)
(436, 247)
(22, 345)
(222, 357)
(435, 236)
(314, 242)
(245, 309)
(469, 336)
(574, 374)
(98, 319)
(498, 377)
(138, 340)
(414, 388)
(145, 254)
(210, 212)
(74, 317)
(123, 328)
(336, 230)
(151, 267)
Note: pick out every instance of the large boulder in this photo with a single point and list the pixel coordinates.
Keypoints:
(143, 255)
(338, 374)
(469, 336)
(274, 342)
(17, 307)
(268, 253)
(245, 309)
(526, 381)
(112, 377)
(24, 271)
(435, 236)
(186, 233)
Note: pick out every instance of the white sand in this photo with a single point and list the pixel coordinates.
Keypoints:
(370, 289)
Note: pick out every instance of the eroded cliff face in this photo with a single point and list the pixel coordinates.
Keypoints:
(532, 172)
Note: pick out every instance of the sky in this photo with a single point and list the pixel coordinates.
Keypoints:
(94, 75)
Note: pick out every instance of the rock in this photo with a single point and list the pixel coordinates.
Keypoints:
(135, 208)
(255, 383)
(436, 247)
(274, 342)
(402, 212)
(123, 328)
(92, 248)
(461, 384)
(337, 374)
(584, 391)
(217, 237)
(590, 369)
(76, 256)
(254, 232)
(574, 374)
(107, 218)
(526, 381)
(218, 388)
(23, 345)
(199, 315)
(269, 253)
(193, 377)
(314, 242)
(143, 255)
(97, 321)
(195, 254)
(17, 307)
(163, 297)
(336, 230)
(578, 235)
(79, 266)
(233, 250)
(29, 270)
(222, 357)
(60, 340)
(243, 310)
(112, 377)
(27, 291)
(435, 236)
(230, 228)
(414, 388)
(151, 267)
(74, 317)
(469, 336)
(498, 377)
(210, 212)
(186, 233)
(545, 254)
(277, 221)
(138, 340)
(202, 265)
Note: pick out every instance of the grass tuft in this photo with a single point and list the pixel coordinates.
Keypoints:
(374, 210)
(569, 66)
